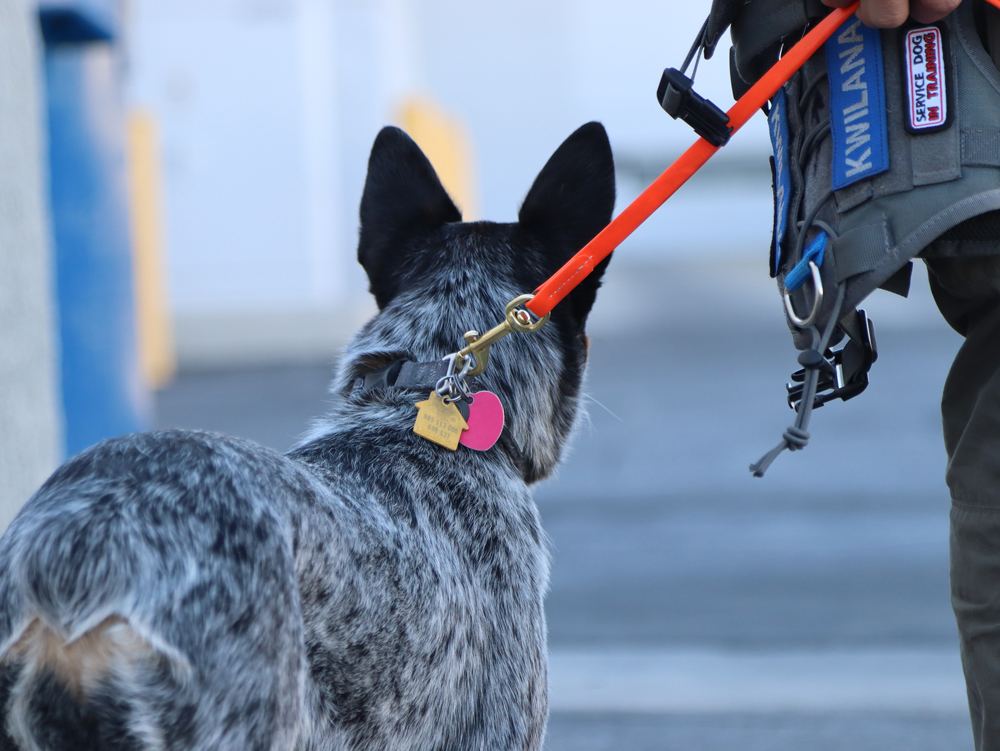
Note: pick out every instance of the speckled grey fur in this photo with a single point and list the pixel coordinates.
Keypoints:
(369, 590)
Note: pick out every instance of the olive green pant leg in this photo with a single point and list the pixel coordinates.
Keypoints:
(970, 409)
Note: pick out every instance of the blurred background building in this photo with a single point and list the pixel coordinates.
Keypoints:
(196, 167)
(268, 108)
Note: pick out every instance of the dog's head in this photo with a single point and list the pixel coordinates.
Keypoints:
(435, 277)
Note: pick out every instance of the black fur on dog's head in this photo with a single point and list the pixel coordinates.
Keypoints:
(570, 201)
(435, 277)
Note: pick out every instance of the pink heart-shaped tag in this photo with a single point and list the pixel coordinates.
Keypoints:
(485, 422)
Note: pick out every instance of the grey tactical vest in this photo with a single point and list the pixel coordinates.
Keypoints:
(886, 146)
(909, 163)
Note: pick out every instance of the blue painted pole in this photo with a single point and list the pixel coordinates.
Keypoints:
(103, 393)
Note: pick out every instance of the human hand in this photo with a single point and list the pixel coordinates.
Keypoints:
(887, 14)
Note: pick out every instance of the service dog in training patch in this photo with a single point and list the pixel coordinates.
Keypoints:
(371, 589)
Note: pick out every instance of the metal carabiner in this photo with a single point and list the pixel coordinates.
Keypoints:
(804, 323)
(514, 320)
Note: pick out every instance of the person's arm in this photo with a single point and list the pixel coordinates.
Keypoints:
(886, 14)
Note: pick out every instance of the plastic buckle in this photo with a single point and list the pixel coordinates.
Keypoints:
(843, 374)
(676, 95)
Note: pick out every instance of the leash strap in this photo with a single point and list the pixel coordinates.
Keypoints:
(560, 284)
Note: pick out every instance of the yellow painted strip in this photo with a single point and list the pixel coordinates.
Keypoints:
(157, 357)
(445, 141)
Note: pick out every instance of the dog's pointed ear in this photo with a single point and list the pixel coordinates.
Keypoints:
(403, 197)
(572, 200)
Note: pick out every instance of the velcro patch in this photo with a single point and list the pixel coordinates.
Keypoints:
(857, 103)
(777, 124)
(925, 79)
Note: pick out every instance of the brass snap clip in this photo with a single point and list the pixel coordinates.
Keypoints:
(514, 320)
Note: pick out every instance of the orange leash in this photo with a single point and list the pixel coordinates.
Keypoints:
(576, 269)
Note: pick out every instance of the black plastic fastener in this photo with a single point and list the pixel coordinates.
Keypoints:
(679, 99)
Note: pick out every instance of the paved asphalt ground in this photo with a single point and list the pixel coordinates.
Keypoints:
(694, 607)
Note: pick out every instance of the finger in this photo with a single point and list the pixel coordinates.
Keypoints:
(929, 11)
(884, 14)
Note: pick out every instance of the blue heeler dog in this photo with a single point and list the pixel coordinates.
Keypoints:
(368, 590)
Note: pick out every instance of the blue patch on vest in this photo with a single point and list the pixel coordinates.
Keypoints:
(777, 124)
(857, 103)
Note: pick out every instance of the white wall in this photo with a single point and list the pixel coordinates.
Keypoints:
(30, 424)
(268, 109)
(525, 74)
(240, 115)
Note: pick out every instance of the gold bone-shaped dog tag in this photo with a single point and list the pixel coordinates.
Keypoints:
(439, 421)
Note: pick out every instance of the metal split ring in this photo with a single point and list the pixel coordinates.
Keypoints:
(453, 382)
(804, 323)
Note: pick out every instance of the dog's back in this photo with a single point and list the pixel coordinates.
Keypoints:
(146, 595)
(178, 590)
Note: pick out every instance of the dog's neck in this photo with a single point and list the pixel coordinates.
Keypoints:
(378, 392)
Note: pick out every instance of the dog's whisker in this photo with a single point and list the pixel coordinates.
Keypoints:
(590, 398)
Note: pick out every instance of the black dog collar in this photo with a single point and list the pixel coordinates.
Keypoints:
(405, 374)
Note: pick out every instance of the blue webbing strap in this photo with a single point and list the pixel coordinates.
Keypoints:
(798, 275)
